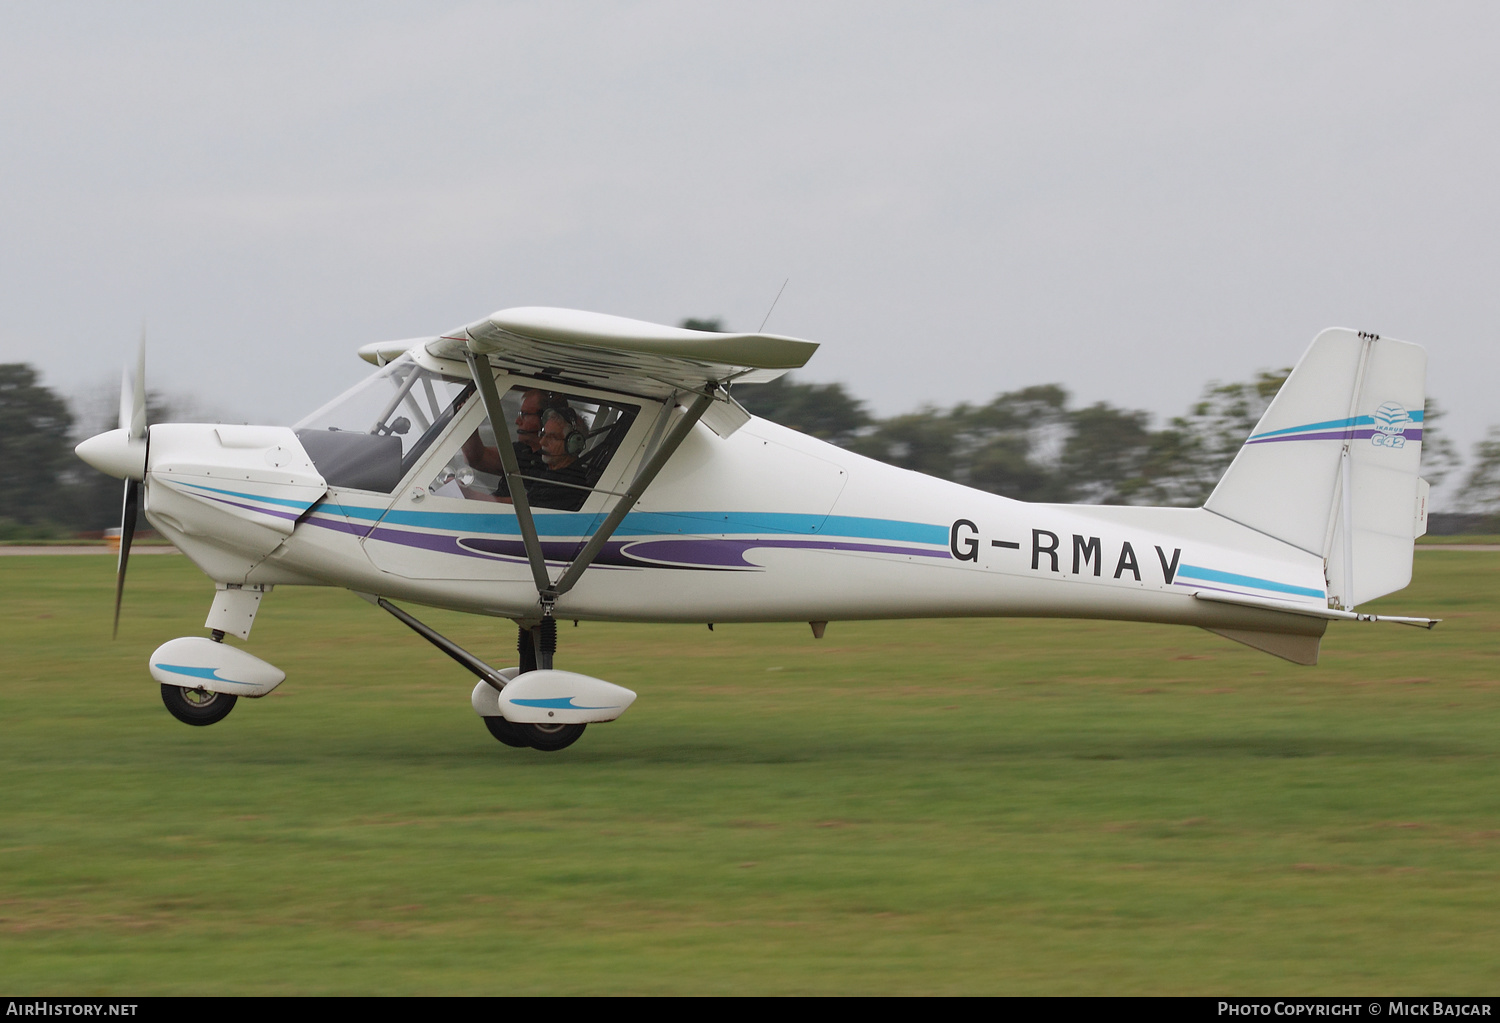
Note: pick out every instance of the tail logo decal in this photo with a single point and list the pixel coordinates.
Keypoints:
(1391, 421)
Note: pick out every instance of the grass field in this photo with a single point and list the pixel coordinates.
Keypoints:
(947, 807)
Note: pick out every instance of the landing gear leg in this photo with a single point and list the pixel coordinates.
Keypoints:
(536, 647)
(526, 647)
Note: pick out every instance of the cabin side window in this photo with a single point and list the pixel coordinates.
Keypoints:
(562, 444)
(370, 436)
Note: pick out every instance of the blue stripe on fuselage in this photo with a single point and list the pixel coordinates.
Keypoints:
(1215, 576)
(301, 505)
(575, 524)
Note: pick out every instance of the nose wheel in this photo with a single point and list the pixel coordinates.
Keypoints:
(197, 706)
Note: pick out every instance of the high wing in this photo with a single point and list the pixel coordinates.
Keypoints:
(594, 347)
(618, 354)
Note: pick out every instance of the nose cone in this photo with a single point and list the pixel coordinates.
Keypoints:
(116, 454)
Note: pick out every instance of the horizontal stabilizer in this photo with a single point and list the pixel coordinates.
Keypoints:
(1311, 610)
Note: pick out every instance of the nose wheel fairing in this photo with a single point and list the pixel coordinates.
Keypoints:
(202, 678)
(200, 663)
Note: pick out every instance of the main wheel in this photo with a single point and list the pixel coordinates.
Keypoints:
(548, 737)
(197, 706)
(506, 732)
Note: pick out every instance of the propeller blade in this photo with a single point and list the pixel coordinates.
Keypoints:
(127, 533)
(133, 421)
(133, 395)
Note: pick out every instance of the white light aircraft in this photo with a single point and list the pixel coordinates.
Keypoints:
(635, 488)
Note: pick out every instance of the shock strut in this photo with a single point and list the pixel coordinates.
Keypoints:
(546, 642)
(537, 644)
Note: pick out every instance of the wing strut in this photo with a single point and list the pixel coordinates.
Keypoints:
(643, 478)
(484, 379)
(548, 592)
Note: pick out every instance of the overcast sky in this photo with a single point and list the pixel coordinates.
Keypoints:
(1130, 199)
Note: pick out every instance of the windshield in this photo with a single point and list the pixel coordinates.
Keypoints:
(369, 436)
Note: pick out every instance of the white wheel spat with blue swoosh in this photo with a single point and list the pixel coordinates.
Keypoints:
(196, 662)
(562, 698)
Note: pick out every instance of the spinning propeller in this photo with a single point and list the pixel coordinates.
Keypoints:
(133, 422)
(122, 453)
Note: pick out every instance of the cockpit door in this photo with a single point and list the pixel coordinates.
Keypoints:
(451, 518)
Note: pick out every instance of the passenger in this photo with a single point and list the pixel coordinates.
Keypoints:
(563, 438)
(528, 444)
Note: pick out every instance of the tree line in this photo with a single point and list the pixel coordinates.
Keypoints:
(1034, 445)
(46, 492)
(1031, 444)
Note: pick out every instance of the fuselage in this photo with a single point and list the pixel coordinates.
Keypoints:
(761, 524)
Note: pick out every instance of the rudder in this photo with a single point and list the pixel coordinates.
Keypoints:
(1332, 466)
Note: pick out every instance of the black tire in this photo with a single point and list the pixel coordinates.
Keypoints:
(548, 738)
(197, 706)
(506, 732)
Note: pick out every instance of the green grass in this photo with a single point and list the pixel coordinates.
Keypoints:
(939, 807)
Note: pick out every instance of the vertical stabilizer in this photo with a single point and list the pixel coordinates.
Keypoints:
(1332, 466)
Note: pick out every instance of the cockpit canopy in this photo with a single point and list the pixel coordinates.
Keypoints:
(373, 435)
(370, 436)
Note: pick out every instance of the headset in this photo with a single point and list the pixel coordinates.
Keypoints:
(577, 436)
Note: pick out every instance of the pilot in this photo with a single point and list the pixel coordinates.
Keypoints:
(528, 443)
(563, 482)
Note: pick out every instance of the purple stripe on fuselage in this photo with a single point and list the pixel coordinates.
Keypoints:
(425, 541)
(559, 551)
(339, 525)
(468, 547)
(715, 553)
(708, 553)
